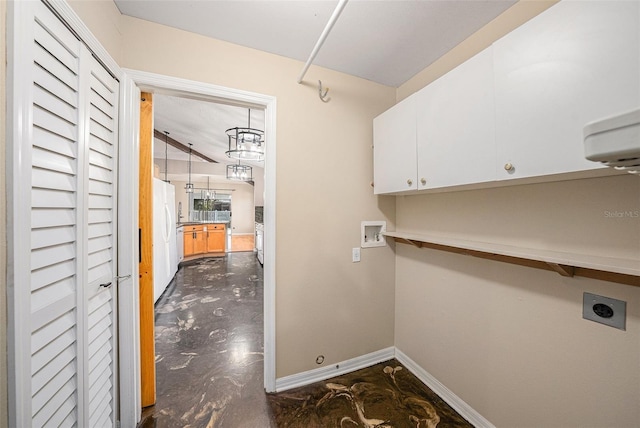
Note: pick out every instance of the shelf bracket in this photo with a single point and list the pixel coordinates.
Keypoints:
(564, 270)
(417, 244)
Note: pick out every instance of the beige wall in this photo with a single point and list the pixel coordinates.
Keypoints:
(323, 190)
(325, 303)
(511, 340)
(103, 18)
(3, 225)
(506, 22)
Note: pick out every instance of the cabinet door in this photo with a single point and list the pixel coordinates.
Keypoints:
(215, 239)
(394, 148)
(575, 63)
(189, 238)
(200, 242)
(456, 126)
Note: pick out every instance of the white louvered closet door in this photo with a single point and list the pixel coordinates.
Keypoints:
(63, 356)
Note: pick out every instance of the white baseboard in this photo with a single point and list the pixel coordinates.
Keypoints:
(466, 411)
(324, 373)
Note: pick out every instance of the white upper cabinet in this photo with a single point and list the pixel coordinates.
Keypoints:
(455, 126)
(518, 109)
(394, 148)
(575, 63)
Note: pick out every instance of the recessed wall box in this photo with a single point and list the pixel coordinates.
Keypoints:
(371, 234)
(615, 141)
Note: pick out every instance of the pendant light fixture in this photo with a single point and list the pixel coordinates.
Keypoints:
(239, 172)
(189, 186)
(166, 149)
(246, 143)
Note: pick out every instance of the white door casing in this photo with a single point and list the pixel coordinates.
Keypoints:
(61, 163)
(151, 82)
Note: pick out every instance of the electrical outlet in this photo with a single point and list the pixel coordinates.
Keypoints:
(605, 310)
(355, 255)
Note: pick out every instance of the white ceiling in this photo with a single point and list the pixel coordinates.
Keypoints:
(200, 123)
(383, 41)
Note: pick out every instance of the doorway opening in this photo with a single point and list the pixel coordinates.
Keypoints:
(165, 85)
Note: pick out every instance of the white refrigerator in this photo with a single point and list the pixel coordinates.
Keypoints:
(165, 256)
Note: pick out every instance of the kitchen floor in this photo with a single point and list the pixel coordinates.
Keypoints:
(209, 365)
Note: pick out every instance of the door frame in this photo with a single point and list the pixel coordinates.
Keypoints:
(132, 83)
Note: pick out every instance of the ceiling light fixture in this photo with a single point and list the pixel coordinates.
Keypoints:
(239, 172)
(246, 143)
(189, 186)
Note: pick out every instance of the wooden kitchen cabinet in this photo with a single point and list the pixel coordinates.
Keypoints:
(216, 238)
(456, 127)
(575, 63)
(394, 148)
(195, 240)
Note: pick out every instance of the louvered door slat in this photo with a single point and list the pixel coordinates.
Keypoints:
(52, 217)
(101, 132)
(101, 174)
(45, 178)
(54, 143)
(47, 101)
(53, 273)
(99, 216)
(52, 305)
(101, 146)
(54, 347)
(40, 338)
(51, 198)
(100, 118)
(100, 188)
(65, 415)
(46, 160)
(62, 379)
(105, 86)
(59, 363)
(50, 63)
(53, 123)
(100, 103)
(47, 237)
(53, 255)
(99, 160)
(57, 39)
(56, 408)
(52, 84)
(100, 243)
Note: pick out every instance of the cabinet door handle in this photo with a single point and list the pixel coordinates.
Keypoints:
(409, 182)
(423, 181)
(508, 167)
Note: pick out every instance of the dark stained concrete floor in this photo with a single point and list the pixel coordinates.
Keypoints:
(209, 363)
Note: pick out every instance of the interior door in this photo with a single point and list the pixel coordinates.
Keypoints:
(62, 155)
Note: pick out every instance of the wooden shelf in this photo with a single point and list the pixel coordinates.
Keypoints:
(622, 271)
